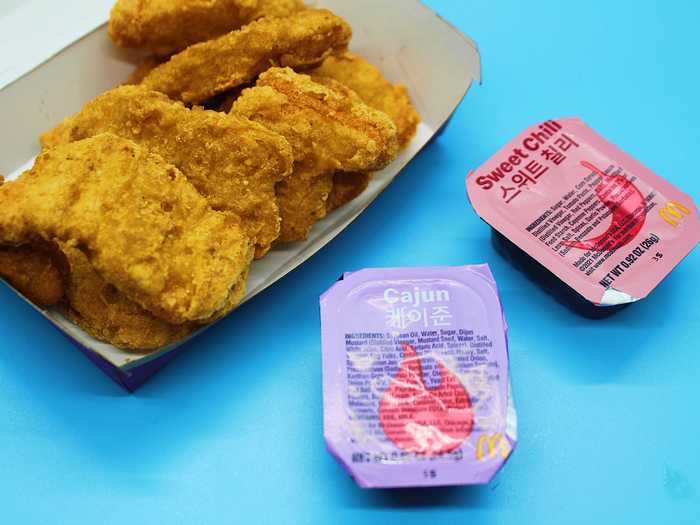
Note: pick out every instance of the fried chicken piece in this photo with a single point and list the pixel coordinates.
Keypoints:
(35, 271)
(90, 302)
(328, 131)
(230, 97)
(142, 226)
(303, 201)
(104, 312)
(367, 81)
(142, 71)
(232, 161)
(354, 76)
(108, 315)
(335, 85)
(346, 188)
(164, 27)
(278, 8)
(302, 40)
(47, 274)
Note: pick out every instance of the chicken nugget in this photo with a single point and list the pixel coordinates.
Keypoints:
(164, 27)
(278, 8)
(367, 81)
(347, 187)
(100, 309)
(86, 298)
(302, 40)
(303, 201)
(47, 277)
(37, 272)
(142, 71)
(144, 228)
(328, 131)
(104, 312)
(233, 162)
(229, 98)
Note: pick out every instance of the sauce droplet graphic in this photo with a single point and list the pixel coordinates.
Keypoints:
(627, 205)
(421, 420)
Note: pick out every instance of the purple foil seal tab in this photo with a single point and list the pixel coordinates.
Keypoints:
(415, 377)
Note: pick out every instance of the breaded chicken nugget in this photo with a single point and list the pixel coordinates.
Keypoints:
(328, 131)
(303, 201)
(367, 81)
(47, 274)
(89, 301)
(143, 227)
(165, 27)
(229, 98)
(302, 40)
(142, 71)
(278, 8)
(104, 312)
(35, 271)
(347, 187)
(232, 161)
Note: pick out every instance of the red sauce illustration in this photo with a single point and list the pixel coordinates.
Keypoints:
(422, 420)
(627, 205)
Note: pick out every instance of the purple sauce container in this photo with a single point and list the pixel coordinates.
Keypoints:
(416, 383)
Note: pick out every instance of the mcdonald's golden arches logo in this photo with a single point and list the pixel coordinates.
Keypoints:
(674, 213)
(490, 445)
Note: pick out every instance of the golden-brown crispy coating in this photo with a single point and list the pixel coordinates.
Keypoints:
(142, 71)
(47, 277)
(232, 161)
(35, 271)
(229, 98)
(328, 131)
(335, 85)
(104, 312)
(142, 225)
(347, 187)
(303, 201)
(278, 8)
(302, 40)
(367, 81)
(108, 315)
(167, 26)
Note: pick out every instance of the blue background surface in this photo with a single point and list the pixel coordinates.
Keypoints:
(231, 431)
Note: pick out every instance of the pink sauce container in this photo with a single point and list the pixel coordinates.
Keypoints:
(415, 377)
(591, 223)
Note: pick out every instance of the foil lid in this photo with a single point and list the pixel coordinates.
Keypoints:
(415, 377)
(596, 218)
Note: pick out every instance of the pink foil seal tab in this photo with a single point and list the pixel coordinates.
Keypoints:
(415, 377)
(599, 220)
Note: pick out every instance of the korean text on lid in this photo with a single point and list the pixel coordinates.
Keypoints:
(600, 221)
(415, 377)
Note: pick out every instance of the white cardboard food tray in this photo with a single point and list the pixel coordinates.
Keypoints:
(408, 41)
